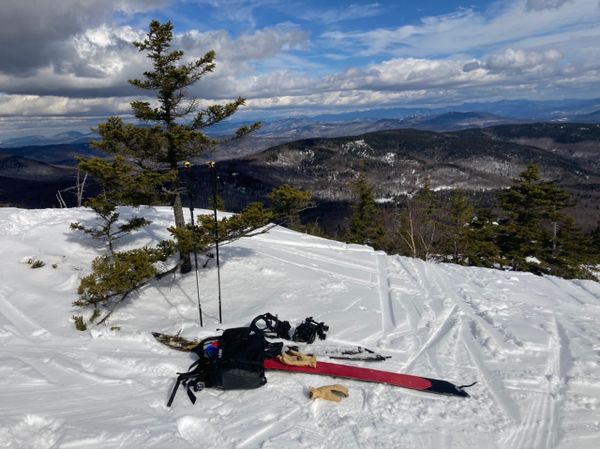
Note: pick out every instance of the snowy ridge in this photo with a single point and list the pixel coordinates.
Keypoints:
(532, 343)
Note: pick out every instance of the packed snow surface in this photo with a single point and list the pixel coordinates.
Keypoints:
(531, 342)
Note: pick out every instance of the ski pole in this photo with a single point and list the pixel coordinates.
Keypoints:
(187, 166)
(213, 169)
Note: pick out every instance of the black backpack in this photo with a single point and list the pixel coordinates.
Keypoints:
(233, 361)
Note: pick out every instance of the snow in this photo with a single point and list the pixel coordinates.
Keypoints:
(531, 342)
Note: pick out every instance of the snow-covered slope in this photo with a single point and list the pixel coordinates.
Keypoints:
(531, 342)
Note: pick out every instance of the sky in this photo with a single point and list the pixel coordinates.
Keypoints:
(65, 63)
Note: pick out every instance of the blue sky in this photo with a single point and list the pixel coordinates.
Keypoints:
(68, 61)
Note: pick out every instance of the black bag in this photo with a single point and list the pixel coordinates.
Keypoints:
(233, 361)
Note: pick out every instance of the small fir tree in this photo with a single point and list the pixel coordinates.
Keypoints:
(145, 167)
(121, 184)
(251, 221)
(287, 202)
(571, 251)
(366, 223)
(115, 275)
(536, 234)
(459, 234)
(524, 206)
(176, 125)
(482, 250)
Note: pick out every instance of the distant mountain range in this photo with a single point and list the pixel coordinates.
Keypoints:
(282, 131)
(568, 109)
(397, 161)
(395, 155)
(69, 137)
(451, 118)
(29, 183)
(30, 176)
(271, 133)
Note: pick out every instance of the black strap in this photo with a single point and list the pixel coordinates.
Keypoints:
(191, 380)
(191, 395)
(174, 391)
(194, 385)
(273, 349)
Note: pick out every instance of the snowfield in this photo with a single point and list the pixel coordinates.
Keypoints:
(532, 343)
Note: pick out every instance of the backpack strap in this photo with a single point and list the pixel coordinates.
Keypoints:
(192, 380)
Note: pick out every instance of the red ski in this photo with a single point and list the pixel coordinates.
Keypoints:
(373, 375)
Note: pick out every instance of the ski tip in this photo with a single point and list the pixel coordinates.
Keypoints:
(443, 387)
(462, 393)
(462, 389)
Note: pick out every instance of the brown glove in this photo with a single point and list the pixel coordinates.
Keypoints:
(296, 358)
(334, 392)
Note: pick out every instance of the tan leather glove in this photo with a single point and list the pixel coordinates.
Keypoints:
(334, 392)
(296, 358)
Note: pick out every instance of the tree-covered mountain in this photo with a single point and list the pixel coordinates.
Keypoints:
(396, 162)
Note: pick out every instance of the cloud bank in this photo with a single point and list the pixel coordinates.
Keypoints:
(73, 57)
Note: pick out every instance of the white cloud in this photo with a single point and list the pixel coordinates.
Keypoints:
(406, 75)
(468, 31)
(519, 48)
(545, 4)
(261, 44)
(100, 60)
(510, 59)
(36, 105)
(97, 62)
(237, 10)
(33, 33)
(350, 12)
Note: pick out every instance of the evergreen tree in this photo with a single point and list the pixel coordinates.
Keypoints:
(482, 250)
(244, 224)
(458, 232)
(120, 184)
(366, 223)
(571, 250)
(555, 201)
(536, 234)
(287, 203)
(115, 275)
(524, 205)
(176, 125)
(145, 166)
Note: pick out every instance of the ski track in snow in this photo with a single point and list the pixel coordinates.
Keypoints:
(18, 321)
(388, 314)
(532, 343)
(539, 428)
